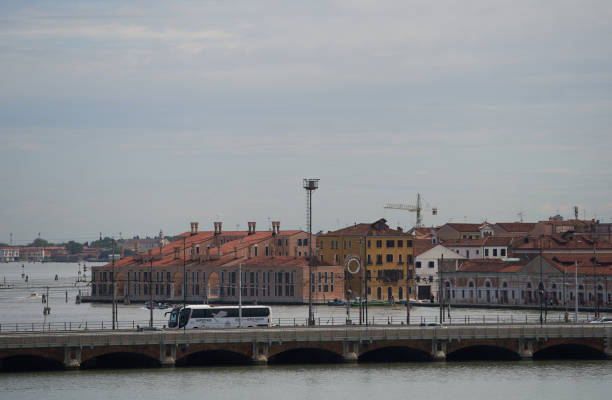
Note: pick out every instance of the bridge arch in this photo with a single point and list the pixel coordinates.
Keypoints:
(213, 357)
(394, 354)
(120, 359)
(482, 352)
(29, 362)
(305, 355)
(570, 350)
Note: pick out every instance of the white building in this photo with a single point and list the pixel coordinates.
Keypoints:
(9, 254)
(426, 262)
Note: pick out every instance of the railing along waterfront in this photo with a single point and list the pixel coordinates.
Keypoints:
(322, 321)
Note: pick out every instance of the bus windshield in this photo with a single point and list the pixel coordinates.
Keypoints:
(173, 321)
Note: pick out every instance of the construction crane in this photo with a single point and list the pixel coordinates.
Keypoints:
(418, 209)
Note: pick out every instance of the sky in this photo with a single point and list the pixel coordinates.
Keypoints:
(127, 117)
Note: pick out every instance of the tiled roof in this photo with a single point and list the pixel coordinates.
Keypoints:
(489, 265)
(521, 227)
(567, 263)
(464, 227)
(422, 245)
(559, 242)
(464, 242)
(498, 240)
(377, 228)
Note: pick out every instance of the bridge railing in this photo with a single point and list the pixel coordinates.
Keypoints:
(500, 319)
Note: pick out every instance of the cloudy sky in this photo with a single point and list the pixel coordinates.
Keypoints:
(128, 116)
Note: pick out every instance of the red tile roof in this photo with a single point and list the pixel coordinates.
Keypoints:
(516, 227)
(489, 265)
(422, 245)
(464, 242)
(377, 228)
(464, 227)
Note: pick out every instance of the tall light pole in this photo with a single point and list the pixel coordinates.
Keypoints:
(541, 285)
(114, 306)
(184, 279)
(151, 292)
(310, 185)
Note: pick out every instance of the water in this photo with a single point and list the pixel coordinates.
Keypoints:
(457, 381)
(558, 380)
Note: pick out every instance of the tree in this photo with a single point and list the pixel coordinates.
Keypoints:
(38, 242)
(74, 247)
(105, 243)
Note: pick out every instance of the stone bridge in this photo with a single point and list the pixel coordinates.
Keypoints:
(90, 349)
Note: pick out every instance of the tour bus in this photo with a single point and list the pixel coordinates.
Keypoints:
(206, 316)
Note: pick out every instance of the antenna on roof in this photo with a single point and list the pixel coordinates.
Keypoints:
(520, 214)
(575, 212)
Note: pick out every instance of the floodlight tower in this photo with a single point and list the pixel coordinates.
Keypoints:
(310, 185)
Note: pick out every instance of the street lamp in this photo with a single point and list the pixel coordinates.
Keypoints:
(541, 285)
(310, 185)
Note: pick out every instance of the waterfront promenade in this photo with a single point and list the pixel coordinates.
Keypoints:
(73, 350)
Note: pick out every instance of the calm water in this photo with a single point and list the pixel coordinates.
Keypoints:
(457, 381)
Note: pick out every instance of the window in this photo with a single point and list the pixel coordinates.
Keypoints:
(399, 260)
(369, 244)
(379, 259)
(409, 243)
(267, 251)
(369, 259)
(305, 241)
(389, 258)
(409, 259)
(400, 243)
(430, 264)
(344, 244)
(486, 252)
(503, 252)
(379, 244)
(390, 243)
(417, 264)
(494, 252)
(299, 242)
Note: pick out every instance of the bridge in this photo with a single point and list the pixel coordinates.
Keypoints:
(99, 349)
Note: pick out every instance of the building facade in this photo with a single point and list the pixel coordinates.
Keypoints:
(385, 256)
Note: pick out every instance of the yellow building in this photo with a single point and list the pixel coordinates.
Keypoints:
(386, 257)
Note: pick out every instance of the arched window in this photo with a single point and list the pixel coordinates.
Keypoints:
(471, 284)
(488, 284)
(505, 284)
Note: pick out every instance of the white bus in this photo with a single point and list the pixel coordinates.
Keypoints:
(206, 316)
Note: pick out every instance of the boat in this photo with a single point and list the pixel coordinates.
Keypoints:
(371, 303)
(336, 303)
(156, 305)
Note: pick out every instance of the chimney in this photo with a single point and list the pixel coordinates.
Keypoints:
(218, 228)
(275, 227)
(194, 228)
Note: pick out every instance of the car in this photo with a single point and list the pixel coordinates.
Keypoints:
(430, 324)
(602, 320)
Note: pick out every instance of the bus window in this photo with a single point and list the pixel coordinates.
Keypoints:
(184, 317)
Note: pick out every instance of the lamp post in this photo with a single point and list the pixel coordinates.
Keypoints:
(541, 286)
(114, 305)
(310, 185)
(151, 292)
(184, 280)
